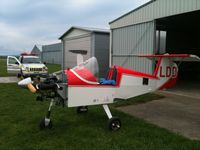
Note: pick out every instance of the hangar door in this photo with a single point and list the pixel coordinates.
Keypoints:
(182, 36)
(80, 43)
(130, 40)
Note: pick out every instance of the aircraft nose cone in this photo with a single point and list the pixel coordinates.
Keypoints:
(25, 82)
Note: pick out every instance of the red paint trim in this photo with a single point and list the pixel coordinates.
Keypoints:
(168, 84)
(174, 72)
(135, 73)
(161, 71)
(84, 73)
(157, 66)
(168, 71)
(110, 74)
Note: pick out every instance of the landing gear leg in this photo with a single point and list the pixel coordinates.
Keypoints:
(114, 123)
(46, 122)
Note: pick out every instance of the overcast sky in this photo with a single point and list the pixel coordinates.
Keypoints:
(24, 23)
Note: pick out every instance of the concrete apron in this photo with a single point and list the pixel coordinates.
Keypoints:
(9, 79)
(180, 114)
(186, 88)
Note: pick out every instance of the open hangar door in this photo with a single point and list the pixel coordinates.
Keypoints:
(181, 34)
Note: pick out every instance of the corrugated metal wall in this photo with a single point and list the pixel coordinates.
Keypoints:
(52, 53)
(156, 9)
(96, 43)
(81, 43)
(53, 57)
(136, 39)
(101, 47)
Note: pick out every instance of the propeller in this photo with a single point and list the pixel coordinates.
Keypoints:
(27, 82)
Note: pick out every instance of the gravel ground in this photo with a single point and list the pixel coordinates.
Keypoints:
(8, 79)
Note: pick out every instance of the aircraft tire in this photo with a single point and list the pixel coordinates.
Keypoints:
(82, 109)
(43, 126)
(114, 124)
(19, 75)
(39, 98)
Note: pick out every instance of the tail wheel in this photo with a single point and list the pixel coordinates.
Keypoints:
(114, 124)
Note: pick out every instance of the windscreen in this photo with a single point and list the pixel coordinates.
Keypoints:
(28, 60)
(90, 65)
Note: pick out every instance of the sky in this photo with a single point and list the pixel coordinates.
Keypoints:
(25, 23)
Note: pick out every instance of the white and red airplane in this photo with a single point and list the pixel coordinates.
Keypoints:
(79, 87)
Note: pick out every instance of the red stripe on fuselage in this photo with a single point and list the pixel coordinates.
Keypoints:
(157, 66)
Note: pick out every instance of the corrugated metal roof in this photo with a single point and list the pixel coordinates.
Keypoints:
(155, 9)
(52, 47)
(132, 11)
(35, 50)
(90, 29)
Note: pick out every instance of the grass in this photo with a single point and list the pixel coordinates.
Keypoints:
(3, 68)
(20, 115)
(53, 67)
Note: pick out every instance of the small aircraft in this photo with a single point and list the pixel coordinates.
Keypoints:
(79, 87)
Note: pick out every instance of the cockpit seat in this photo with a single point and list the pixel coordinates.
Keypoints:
(110, 77)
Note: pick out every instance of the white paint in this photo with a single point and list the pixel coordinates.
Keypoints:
(76, 33)
(25, 82)
(84, 96)
(79, 59)
(131, 80)
(13, 67)
(107, 110)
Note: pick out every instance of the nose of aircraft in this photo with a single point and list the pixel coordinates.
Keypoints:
(27, 83)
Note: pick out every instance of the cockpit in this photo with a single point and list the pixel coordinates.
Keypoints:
(86, 73)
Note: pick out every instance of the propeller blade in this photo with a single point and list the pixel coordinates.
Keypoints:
(27, 83)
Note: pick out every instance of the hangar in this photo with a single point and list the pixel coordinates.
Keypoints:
(159, 26)
(88, 41)
(52, 53)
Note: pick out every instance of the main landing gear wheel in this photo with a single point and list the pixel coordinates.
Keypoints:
(82, 109)
(114, 124)
(19, 75)
(39, 98)
(46, 123)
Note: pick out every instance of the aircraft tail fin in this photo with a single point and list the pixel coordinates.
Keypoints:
(166, 68)
(167, 72)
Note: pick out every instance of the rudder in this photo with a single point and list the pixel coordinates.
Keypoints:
(167, 72)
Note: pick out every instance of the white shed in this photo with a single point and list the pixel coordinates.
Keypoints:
(91, 41)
